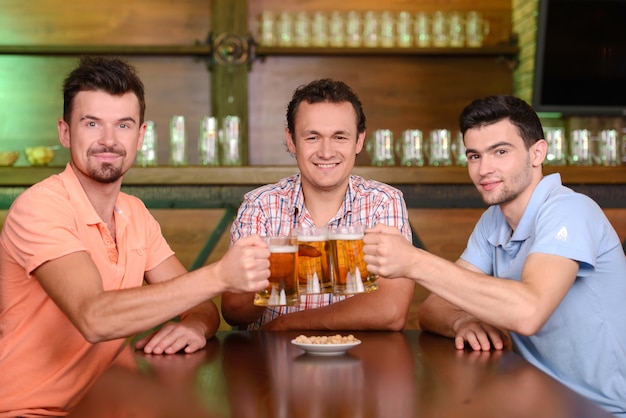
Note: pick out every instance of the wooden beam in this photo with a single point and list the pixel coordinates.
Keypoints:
(229, 82)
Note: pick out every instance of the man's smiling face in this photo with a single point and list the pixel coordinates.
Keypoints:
(325, 142)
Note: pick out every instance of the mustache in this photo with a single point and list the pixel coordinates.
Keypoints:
(107, 150)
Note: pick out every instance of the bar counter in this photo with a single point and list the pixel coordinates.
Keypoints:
(218, 187)
(244, 374)
(259, 175)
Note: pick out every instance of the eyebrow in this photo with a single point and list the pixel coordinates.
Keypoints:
(315, 132)
(125, 119)
(491, 147)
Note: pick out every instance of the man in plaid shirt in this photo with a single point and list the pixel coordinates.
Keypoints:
(325, 132)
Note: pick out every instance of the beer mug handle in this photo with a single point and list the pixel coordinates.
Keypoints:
(369, 146)
(398, 148)
(595, 145)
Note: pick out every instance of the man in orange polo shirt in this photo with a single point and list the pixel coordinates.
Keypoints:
(75, 250)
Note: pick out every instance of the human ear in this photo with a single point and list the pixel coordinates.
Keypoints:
(538, 152)
(64, 133)
(290, 141)
(360, 141)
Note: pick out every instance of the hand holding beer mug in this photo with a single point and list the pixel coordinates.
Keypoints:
(283, 288)
(350, 273)
(313, 262)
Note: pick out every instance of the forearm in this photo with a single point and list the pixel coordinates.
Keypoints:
(383, 310)
(506, 304)
(205, 317)
(118, 314)
(438, 316)
(74, 283)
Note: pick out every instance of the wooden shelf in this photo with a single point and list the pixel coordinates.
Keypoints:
(498, 50)
(259, 175)
(181, 50)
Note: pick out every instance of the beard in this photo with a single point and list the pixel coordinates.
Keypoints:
(511, 191)
(106, 173)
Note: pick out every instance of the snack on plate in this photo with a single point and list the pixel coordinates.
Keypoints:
(326, 339)
(39, 155)
(8, 158)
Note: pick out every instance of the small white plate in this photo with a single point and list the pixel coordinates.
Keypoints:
(326, 349)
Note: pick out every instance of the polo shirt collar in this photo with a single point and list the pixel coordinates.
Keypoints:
(78, 197)
(538, 198)
(527, 222)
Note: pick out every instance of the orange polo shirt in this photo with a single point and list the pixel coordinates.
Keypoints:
(45, 363)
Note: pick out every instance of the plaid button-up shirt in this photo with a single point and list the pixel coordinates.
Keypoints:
(275, 209)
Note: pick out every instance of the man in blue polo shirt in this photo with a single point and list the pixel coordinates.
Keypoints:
(543, 262)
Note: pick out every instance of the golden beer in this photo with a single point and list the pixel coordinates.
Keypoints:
(283, 287)
(313, 262)
(350, 273)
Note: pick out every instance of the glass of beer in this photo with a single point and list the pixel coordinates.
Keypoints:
(313, 262)
(283, 288)
(349, 270)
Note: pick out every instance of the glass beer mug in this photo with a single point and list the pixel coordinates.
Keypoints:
(283, 287)
(555, 138)
(608, 149)
(476, 29)
(314, 275)
(410, 148)
(350, 274)
(380, 148)
(439, 148)
(580, 151)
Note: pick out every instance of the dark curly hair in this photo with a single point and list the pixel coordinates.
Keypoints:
(493, 109)
(325, 90)
(108, 74)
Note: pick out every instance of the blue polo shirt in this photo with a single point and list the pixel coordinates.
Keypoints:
(583, 343)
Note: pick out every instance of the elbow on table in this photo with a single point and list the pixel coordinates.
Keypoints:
(93, 331)
(397, 324)
(528, 322)
(235, 322)
(94, 326)
(239, 310)
(396, 318)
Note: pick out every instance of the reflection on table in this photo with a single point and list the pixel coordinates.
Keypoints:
(391, 374)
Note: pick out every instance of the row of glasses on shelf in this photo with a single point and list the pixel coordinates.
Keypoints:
(440, 148)
(372, 29)
(217, 145)
(222, 146)
(584, 147)
(581, 147)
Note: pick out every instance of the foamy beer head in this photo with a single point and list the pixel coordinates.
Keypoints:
(313, 262)
(283, 287)
(349, 269)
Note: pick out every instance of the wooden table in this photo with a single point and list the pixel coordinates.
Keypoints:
(391, 374)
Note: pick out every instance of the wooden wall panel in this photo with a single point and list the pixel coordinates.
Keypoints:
(111, 22)
(423, 92)
(188, 229)
(444, 232)
(617, 217)
(397, 93)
